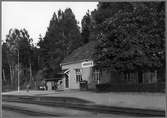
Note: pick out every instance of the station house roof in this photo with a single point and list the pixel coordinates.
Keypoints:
(82, 53)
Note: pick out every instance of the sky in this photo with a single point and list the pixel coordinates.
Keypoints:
(35, 16)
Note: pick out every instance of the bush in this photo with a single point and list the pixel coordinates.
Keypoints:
(6, 88)
(124, 87)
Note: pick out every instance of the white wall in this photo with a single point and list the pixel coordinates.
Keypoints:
(86, 74)
(72, 76)
(49, 85)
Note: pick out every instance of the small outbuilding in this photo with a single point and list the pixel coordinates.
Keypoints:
(55, 82)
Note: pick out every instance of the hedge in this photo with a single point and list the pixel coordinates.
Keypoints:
(121, 87)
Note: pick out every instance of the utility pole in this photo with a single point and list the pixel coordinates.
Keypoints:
(18, 73)
(4, 75)
(30, 73)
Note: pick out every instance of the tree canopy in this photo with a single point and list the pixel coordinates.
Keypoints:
(86, 28)
(18, 48)
(131, 40)
(62, 37)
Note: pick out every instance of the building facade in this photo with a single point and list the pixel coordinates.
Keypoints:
(84, 70)
(79, 67)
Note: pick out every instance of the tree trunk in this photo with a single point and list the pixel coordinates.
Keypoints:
(11, 79)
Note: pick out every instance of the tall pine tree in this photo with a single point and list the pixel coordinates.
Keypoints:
(86, 27)
(62, 37)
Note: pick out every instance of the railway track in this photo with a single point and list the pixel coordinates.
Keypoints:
(66, 103)
(23, 110)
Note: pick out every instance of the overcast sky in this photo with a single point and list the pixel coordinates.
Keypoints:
(35, 16)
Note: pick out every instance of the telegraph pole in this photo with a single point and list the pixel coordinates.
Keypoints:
(18, 89)
(4, 75)
(30, 73)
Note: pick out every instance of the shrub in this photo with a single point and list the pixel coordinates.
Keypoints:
(115, 87)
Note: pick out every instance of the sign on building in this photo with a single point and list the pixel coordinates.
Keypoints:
(87, 64)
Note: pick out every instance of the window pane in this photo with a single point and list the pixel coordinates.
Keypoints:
(78, 75)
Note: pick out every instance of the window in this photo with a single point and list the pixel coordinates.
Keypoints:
(78, 75)
(96, 74)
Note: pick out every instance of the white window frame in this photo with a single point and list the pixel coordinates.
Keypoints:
(78, 75)
(96, 74)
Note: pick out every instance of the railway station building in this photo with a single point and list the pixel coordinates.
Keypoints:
(79, 67)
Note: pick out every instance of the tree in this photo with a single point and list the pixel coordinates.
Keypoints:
(62, 37)
(71, 33)
(18, 44)
(132, 40)
(19, 41)
(92, 20)
(50, 46)
(108, 9)
(86, 25)
(5, 65)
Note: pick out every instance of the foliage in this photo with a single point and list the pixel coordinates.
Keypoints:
(19, 41)
(86, 27)
(132, 40)
(131, 87)
(108, 9)
(18, 45)
(61, 38)
(5, 67)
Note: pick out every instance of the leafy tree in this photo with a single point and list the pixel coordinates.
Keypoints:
(108, 9)
(92, 20)
(5, 65)
(132, 40)
(18, 43)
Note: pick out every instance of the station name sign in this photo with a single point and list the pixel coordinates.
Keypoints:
(87, 64)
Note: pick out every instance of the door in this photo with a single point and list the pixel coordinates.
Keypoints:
(66, 81)
(140, 77)
(49, 85)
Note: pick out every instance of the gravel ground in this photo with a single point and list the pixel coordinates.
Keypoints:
(62, 112)
(132, 100)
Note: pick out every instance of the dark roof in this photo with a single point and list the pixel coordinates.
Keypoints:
(62, 72)
(52, 79)
(84, 52)
(55, 75)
